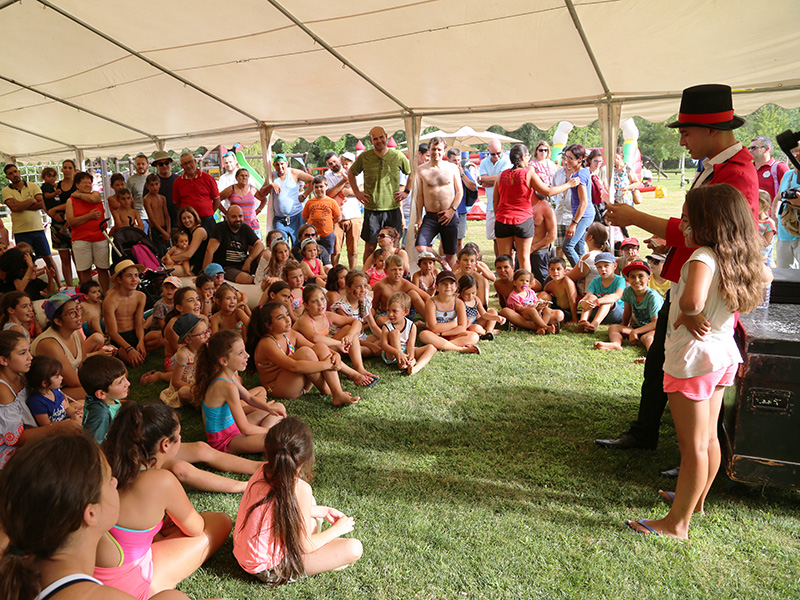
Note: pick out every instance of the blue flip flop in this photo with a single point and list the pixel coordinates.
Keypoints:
(375, 379)
(670, 495)
(643, 524)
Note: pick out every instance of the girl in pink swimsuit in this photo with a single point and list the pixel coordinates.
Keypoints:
(139, 555)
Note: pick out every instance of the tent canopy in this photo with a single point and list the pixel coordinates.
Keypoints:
(109, 78)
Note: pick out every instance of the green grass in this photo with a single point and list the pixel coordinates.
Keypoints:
(478, 478)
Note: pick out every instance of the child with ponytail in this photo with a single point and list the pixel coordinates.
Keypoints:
(278, 536)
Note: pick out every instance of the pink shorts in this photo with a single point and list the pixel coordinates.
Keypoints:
(219, 440)
(701, 387)
(133, 578)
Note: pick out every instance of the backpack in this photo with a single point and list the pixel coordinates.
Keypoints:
(597, 197)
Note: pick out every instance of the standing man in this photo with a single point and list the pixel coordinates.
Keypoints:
(197, 189)
(25, 201)
(348, 229)
(787, 246)
(163, 162)
(469, 193)
(381, 195)
(489, 172)
(770, 171)
(439, 187)
(135, 184)
(705, 122)
(286, 206)
(229, 166)
(234, 245)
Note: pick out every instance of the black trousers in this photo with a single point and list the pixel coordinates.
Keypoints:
(654, 399)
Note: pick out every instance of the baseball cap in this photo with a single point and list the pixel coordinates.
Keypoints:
(444, 276)
(631, 241)
(213, 269)
(656, 257)
(279, 158)
(634, 266)
(174, 281)
(604, 257)
(349, 156)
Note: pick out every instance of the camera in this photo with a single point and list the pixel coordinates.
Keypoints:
(791, 194)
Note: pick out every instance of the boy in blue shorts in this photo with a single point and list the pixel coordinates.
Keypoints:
(642, 304)
(603, 300)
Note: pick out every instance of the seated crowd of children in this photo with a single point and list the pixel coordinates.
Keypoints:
(313, 325)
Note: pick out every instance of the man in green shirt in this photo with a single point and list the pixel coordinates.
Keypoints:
(381, 195)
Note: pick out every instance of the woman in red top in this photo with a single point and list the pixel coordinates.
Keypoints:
(85, 213)
(513, 202)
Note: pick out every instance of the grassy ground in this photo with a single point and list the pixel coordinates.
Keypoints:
(478, 478)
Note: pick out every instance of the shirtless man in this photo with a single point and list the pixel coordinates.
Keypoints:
(393, 283)
(123, 311)
(544, 234)
(439, 184)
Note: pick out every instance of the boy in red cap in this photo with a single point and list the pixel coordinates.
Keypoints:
(642, 304)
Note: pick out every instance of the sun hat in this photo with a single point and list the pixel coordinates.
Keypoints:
(656, 257)
(184, 324)
(126, 264)
(636, 265)
(425, 256)
(349, 156)
(57, 300)
(708, 105)
(161, 155)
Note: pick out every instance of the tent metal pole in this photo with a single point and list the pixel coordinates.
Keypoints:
(265, 134)
(412, 125)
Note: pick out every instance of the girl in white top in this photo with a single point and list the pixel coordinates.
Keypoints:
(724, 275)
(585, 271)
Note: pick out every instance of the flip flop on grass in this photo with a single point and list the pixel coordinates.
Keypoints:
(643, 524)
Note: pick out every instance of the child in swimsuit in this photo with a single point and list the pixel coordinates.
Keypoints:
(357, 304)
(425, 278)
(446, 319)
(336, 284)
(293, 275)
(230, 425)
(480, 320)
(287, 363)
(229, 316)
(317, 326)
(312, 266)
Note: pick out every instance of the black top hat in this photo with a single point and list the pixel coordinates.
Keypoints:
(709, 105)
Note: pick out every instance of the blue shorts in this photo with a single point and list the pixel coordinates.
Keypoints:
(431, 226)
(37, 240)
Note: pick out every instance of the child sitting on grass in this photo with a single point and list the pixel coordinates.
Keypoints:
(46, 401)
(399, 338)
(642, 304)
(123, 313)
(658, 283)
(585, 271)
(180, 242)
(293, 275)
(105, 380)
(603, 300)
(504, 283)
(313, 269)
(561, 291)
(205, 291)
(527, 310)
(425, 278)
(280, 254)
(126, 215)
(335, 286)
(356, 304)
(192, 332)
(228, 315)
(394, 283)
(230, 425)
(92, 307)
(377, 270)
(278, 536)
(446, 319)
(628, 252)
(16, 314)
(468, 264)
(480, 320)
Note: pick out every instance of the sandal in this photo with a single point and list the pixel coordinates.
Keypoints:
(148, 378)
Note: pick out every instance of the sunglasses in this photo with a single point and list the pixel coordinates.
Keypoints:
(384, 235)
(495, 153)
(161, 163)
(543, 149)
(309, 235)
(755, 147)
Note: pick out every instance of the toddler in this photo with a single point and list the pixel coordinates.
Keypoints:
(46, 401)
(766, 227)
(425, 278)
(377, 270)
(180, 242)
(92, 307)
(527, 310)
(313, 269)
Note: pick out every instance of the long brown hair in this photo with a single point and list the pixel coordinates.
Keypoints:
(722, 220)
(289, 450)
(132, 440)
(208, 366)
(59, 476)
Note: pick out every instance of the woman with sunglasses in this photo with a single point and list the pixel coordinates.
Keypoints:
(63, 341)
(541, 163)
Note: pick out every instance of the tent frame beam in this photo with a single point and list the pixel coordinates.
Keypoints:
(149, 61)
(39, 135)
(587, 46)
(331, 50)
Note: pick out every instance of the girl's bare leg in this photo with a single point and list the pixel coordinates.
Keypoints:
(614, 342)
(202, 480)
(423, 356)
(333, 555)
(176, 556)
(331, 379)
(194, 452)
(438, 342)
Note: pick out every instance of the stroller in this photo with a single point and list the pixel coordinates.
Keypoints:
(134, 244)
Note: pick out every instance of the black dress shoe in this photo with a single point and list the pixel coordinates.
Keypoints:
(624, 442)
(671, 473)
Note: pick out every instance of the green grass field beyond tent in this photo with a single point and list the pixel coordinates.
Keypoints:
(478, 478)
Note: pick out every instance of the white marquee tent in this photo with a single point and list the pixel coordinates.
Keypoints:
(105, 78)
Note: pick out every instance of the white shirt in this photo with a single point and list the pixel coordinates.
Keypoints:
(226, 180)
(489, 168)
(351, 208)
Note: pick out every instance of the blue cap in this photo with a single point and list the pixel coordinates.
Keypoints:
(604, 257)
(213, 269)
(57, 300)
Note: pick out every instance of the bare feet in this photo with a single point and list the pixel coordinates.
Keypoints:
(345, 398)
(149, 377)
(541, 331)
(659, 527)
(471, 349)
(582, 326)
(552, 329)
(607, 346)
(640, 361)
(590, 327)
